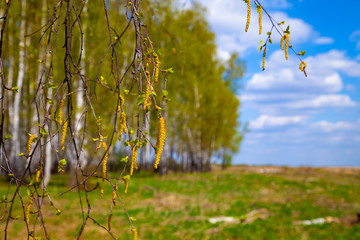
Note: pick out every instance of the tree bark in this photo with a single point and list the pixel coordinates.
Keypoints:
(19, 165)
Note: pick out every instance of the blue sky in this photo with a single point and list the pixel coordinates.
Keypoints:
(293, 120)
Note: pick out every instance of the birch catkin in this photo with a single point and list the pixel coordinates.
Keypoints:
(260, 19)
(27, 213)
(28, 147)
(60, 121)
(157, 66)
(263, 60)
(248, 15)
(302, 66)
(105, 159)
(134, 231)
(63, 135)
(122, 124)
(134, 160)
(287, 39)
(160, 140)
(282, 42)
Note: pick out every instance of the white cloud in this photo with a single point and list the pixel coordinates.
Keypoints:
(355, 37)
(277, 4)
(350, 87)
(333, 60)
(282, 88)
(270, 121)
(324, 40)
(228, 20)
(324, 101)
(336, 126)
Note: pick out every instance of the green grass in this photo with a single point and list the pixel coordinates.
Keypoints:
(177, 206)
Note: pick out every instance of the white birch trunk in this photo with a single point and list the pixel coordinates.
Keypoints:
(83, 159)
(16, 119)
(48, 152)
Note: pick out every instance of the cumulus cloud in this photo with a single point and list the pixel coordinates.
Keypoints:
(327, 126)
(355, 37)
(228, 20)
(265, 121)
(277, 4)
(324, 40)
(283, 86)
(324, 101)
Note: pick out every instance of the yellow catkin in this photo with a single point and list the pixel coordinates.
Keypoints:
(114, 195)
(105, 160)
(157, 66)
(28, 147)
(263, 60)
(27, 213)
(99, 146)
(260, 19)
(248, 15)
(102, 193)
(135, 233)
(122, 124)
(63, 135)
(134, 160)
(126, 183)
(160, 140)
(38, 172)
(282, 42)
(287, 39)
(147, 101)
(60, 121)
(302, 66)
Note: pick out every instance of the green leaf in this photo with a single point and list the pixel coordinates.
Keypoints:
(170, 70)
(102, 80)
(21, 154)
(58, 212)
(131, 131)
(124, 159)
(98, 121)
(165, 93)
(281, 23)
(15, 89)
(261, 42)
(62, 162)
(7, 136)
(50, 101)
(43, 131)
(126, 91)
(268, 33)
(143, 143)
(287, 29)
(136, 142)
(270, 40)
(95, 139)
(50, 85)
(302, 53)
(127, 143)
(140, 99)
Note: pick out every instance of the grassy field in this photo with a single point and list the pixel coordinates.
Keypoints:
(178, 206)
